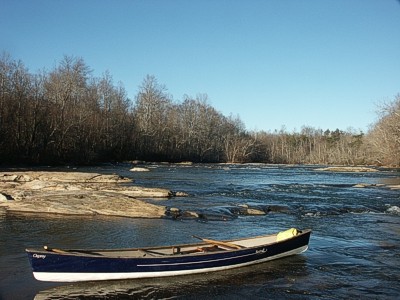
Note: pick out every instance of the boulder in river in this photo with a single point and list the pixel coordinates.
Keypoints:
(254, 212)
(139, 169)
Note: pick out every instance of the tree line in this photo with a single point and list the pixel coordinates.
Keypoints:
(66, 115)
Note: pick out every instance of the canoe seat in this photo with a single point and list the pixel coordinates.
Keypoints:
(202, 249)
(209, 248)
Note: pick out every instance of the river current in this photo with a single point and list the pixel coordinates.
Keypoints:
(354, 249)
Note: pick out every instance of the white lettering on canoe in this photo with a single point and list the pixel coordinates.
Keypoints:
(42, 256)
(263, 250)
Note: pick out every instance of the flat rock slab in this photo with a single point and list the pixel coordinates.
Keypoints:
(348, 169)
(86, 203)
(71, 177)
(76, 193)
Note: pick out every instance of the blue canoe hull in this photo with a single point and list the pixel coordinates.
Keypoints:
(69, 267)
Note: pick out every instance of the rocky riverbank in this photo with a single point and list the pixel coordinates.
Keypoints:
(78, 193)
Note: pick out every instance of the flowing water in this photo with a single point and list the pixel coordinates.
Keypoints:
(354, 249)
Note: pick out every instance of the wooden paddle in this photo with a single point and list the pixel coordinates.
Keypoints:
(220, 243)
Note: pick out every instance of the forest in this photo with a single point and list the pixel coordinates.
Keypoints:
(68, 116)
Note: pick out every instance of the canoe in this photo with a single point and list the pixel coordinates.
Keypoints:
(63, 265)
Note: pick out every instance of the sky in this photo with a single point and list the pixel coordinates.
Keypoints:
(274, 63)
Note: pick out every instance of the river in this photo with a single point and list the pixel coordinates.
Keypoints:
(354, 249)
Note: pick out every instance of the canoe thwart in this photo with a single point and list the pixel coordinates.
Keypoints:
(220, 243)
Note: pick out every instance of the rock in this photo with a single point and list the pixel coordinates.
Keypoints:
(63, 177)
(361, 185)
(394, 187)
(8, 185)
(66, 177)
(253, 211)
(19, 195)
(185, 163)
(180, 194)
(138, 169)
(3, 198)
(23, 178)
(245, 209)
(238, 210)
(173, 212)
(77, 193)
(36, 185)
(88, 203)
(278, 208)
(140, 192)
(379, 185)
(393, 210)
(8, 177)
(191, 214)
(347, 169)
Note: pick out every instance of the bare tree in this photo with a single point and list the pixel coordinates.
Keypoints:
(150, 116)
(66, 90)
(384, 137)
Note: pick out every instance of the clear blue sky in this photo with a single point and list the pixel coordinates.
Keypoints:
(320, 63)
